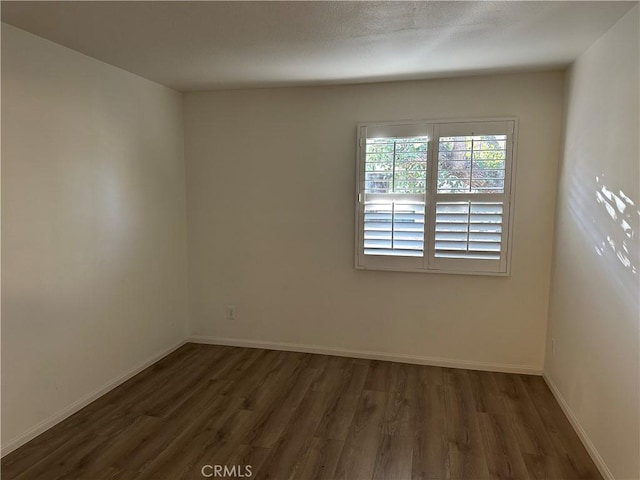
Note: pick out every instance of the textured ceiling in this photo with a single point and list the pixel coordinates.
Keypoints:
(213, 45)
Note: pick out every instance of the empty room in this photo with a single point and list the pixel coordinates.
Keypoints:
(320, 240)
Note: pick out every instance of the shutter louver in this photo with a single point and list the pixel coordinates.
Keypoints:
(468, 230)
(394, 228)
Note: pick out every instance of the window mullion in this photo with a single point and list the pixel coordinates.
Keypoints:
(430, 195)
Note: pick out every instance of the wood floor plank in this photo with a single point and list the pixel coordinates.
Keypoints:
(331, 374)
(272, 422)
(224, 444)
(428, 375)
(548, 467)
(400, 414)
(530, 432)
(450, 375)
(110, 473)
(247, 456)
(321, 459)
(466, 452)
(504, 459)
(273, 380)
(168, 396)
(66, 461)
(337, 418)
(181, 420)
(243, 359)
(301, 416)
(394, 458)
(251, 377)
(569, 450)
(287, 455)
(486, 394)
(182, 453)
(380, 375)
(360, 450)
(138, 432)
(96, 414)
(75, 448)
(430, 459)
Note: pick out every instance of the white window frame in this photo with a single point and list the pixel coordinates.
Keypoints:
(428, 263)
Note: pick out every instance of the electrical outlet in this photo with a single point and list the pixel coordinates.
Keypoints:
(231, 312)
(553, 347)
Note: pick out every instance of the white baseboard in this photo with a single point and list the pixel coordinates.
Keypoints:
(84, 401)
(370, 355)
(582, 434)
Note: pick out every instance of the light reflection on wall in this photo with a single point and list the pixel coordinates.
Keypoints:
(623, 214)
(608, 220)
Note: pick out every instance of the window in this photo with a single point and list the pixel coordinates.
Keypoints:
(435, 196)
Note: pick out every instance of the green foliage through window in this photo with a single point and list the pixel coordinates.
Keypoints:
(472, 164)
(396, 165)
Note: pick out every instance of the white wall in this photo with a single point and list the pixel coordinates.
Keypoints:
(271, 190)
(594, 316)
(93, 227)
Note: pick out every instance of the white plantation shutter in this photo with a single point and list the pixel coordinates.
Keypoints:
(392, 192)
(468, 230)
(394, 227)
(435, 196)
(471, 199)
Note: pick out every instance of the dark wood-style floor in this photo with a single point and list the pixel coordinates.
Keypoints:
(295, 415)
